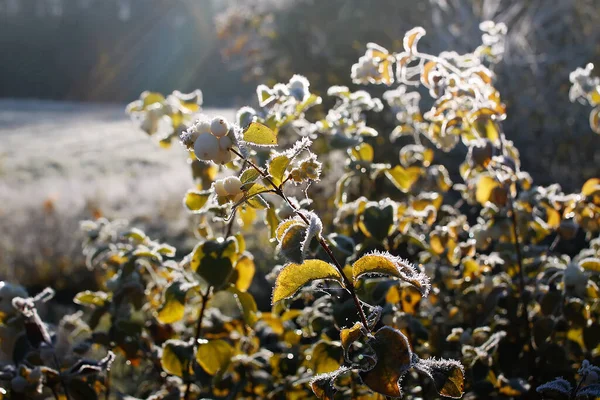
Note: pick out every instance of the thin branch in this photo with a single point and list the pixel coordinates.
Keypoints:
(205, 298)
(347, 282)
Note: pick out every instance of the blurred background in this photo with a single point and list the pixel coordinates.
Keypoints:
(68, 67)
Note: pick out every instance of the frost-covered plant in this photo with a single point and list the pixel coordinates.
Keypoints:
(397, 281)
(585, 89)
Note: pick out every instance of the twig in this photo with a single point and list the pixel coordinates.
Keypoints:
(347, 282)
(205, 298)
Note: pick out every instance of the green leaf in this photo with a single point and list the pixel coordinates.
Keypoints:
(89, 298)
(386, 264)
(260, 135)
(214, 356)
(247, 305)
(447, 375)
(176, 354)
(291, 241)
(249, 175)
(404, 178)
(294, 276)
(194, 200)
(214, 260)
(272, 220)
(377, 220)
(173, 307)
(394, 359)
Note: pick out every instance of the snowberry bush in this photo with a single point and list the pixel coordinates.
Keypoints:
(393, 281)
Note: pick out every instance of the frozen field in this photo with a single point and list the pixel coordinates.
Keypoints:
(76, 159)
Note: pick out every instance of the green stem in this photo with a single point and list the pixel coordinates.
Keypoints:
(347, 282)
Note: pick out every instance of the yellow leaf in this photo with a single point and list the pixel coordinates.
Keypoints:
(149, 98)
(485, 185)
(175, 355)
(386, 264)
(285, 225)
(590, 187)
(247, 215)
(194, 200)
(245, 272)
(363, 152)
(325, 357)
(173, 307)
(404, 178)
(214, 356)
(246, 304)
(394, 358)
(350, 335)
(411, 38)
(595, 120)
(277, 167)
(89, 298)
(447, 375)
(293, 276)
(260, 135)
(591, 264)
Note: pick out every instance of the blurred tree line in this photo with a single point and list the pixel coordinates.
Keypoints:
(111, 50)
(546, 41)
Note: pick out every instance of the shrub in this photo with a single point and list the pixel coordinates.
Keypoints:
(397, 280)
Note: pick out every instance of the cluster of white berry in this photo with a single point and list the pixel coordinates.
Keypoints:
(210, 140)
(229, 188)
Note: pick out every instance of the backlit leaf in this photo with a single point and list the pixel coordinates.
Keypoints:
(394, 359)
(591, 264)
(447, 375)
(291, 242)
(175, 355)
(214, 356)
(194, 200)
(349, 336)
(404, 178)
(173, 307)
(213, 260)
(277, 167)
(485, 186)
(260, 135)
(325, 357)
(245, 272)
(247, 305)
(590, 187)
(294, 276)
(595, 120)
(386, 264)
(89, 298)
(362, 152)
(411, 38)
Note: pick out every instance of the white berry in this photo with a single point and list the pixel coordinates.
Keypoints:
(220, 188)
(219, 126)
(225, 143)
(206, 147)
(233, 185)
(223, 156)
